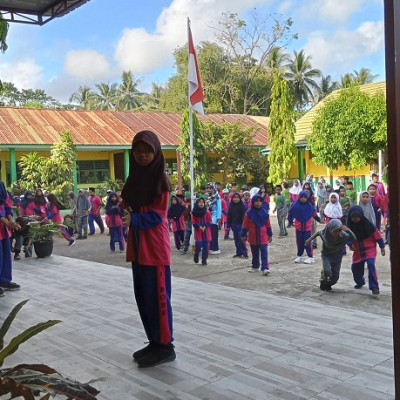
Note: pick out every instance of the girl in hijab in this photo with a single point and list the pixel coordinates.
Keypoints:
(214, 205)
(303, 213)
(333, 210)
(366, 206)
(26, 205)
(257, 230)
(334, 236)
(53, 214)
(377, 202)
(264, 194)
(321, 194)
(202, 221)
(114, 222)
(175, 215)
(294, 192)
(364, 249)
(311, 197)
(236, 213)
(145, 201)
(40, 204)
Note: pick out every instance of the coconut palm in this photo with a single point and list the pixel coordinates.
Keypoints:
(301, 77)
(128, 95)
(277, 61)
(346, 80)
(325, 87)
(107, 96)
(84, 97)
(364, 76)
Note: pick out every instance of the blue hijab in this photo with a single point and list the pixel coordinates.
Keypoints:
(3, 193)
(302, 212)
(175, 210)
(258, 215)
(362, 229)
(111, 203)
(26, 201)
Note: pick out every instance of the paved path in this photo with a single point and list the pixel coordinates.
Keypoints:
(231, 343)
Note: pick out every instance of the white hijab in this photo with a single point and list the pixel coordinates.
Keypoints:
(333, 210)
(295, 189)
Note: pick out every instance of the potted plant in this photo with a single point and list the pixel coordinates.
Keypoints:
(41, 235)
(29, 381)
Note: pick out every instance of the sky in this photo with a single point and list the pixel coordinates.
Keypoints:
(102, 38)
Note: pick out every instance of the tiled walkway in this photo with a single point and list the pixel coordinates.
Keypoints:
(231, 343)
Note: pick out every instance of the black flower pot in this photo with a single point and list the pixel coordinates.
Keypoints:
(43, 249)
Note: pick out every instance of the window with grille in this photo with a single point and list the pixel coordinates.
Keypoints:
(95, 171)
(8, 173)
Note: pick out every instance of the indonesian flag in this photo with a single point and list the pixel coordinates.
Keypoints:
(196, 94)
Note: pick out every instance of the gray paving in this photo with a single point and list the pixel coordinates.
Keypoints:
(231, 343)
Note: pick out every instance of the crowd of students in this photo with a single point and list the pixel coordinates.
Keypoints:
(352, 220)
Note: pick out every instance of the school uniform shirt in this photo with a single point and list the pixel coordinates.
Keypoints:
(205, 220)
(380, 188)
(113, 217)
(364, 249)
(53, 213)
(27, 211)
(5, 210)
(247, 204)
(225, 206)
(96, 203)
(376, 201)
(39, 211)
(151, 226)
(256, 235)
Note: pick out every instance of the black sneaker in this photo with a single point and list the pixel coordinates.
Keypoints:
(157, 355)
(2, 292)
(196, 258)
(322, 286)
(203, 262)
(236, 255)
(17, 257)
(375, 291)
(79, 237)
(359, 286)
(142, 352)
(71, 242)
(9, 286)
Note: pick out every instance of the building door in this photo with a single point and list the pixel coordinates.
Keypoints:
(119, 166)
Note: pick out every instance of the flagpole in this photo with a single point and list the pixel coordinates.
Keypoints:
(190, 132)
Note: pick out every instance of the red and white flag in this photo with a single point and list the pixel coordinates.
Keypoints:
(196, 94)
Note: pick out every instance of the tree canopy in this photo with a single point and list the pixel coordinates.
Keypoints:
(349, 130)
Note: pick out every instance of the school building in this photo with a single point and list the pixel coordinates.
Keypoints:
(305, 164)
(103, 138)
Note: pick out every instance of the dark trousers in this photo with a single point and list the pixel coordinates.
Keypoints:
(358, 273)
(214, 237)
(186, 240)
(91, 219)
(179, 237)
(5, 260)
(256, 249)
(240, 246)
(203, 246)
(331, 264)
(152, 287)
(301, 237)
(116, 235)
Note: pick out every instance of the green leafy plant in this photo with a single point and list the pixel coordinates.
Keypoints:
(32, 380)
(40, 231)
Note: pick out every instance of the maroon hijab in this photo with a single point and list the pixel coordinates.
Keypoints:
(144, 184)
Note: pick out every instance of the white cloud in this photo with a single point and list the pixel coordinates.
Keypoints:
(23, 74)
(332, 10)
(87, 64)
(141, 51)
(285, 6)
(341, 51)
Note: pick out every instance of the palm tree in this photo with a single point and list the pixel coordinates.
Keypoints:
(325, 87)
(364, 76)
(84, 97)
(277, 61)
(128, 95)
(152, 100)
(107, 96)
(346, 80)
(300, 76)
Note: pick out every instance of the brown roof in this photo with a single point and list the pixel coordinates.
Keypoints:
(26, 126)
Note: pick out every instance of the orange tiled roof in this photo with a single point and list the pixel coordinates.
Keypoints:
(26, 126)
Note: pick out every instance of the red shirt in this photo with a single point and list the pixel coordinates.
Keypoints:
(205, 220)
